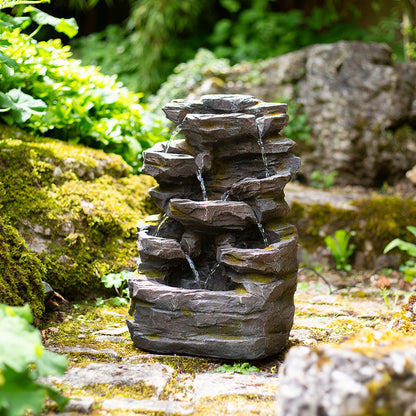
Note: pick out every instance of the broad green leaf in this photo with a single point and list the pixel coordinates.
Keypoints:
(67, 26)
(22, 105)
(409, 248)
(20, 393)
(8, 61)
(21, 311)
(412, 229)
(23, 346)
(50, 363)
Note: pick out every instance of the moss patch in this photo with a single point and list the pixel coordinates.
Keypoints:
(21, 272)
(376, 220)
(76, 208)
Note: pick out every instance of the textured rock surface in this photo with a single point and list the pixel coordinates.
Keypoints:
(154, 375)
(346, 382)
(218, 274)
(360, 104)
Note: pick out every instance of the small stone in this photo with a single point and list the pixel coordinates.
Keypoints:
(80, 405)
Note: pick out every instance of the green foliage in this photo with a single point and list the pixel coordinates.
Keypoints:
(323, 180)
(118, 281)
(409, 267)
(238, 367)
(256, 31)
(340, 248)
(22, 361)
(186, 76)
(68, 101)
(12, 3)
(298, 129)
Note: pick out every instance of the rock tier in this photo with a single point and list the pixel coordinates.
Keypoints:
(218, 268)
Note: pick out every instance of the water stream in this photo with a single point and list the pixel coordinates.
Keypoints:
(202, 183)
(172, 136)
(263, 234)
(263, 155)
(225, 195)
(193, 268)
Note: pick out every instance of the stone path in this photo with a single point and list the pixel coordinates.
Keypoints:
(107, 375)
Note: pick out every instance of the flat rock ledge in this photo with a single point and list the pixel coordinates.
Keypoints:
(154, 375)
(347, 381)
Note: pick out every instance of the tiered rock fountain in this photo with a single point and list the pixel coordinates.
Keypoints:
(218, 270)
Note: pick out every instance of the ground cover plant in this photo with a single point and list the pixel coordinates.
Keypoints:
(22, 361)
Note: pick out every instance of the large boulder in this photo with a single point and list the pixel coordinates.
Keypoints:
(71, 215)
(360, 106)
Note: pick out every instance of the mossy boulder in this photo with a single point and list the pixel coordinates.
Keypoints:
(75, 207)
(376, 219)
(21, 272)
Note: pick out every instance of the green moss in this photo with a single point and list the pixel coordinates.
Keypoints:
(76, 207)
(376, 220)
(21, 272)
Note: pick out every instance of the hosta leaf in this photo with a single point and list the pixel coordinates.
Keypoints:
(67, 26)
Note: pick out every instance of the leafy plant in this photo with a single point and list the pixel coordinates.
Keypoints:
(298, 129)
(323, 180)
(340, 248)
(68, 101)
(409, 267)
(22, 361)
(240, 368)
(117, 281)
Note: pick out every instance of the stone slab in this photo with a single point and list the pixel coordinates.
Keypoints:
(219, 384)
(154, 375)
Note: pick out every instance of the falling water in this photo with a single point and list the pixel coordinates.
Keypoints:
(193, 268)
(201, 181)
(263, 155)
(225, 195)
(172, 136)
(162, 221)
(211, 274)
(263, 234)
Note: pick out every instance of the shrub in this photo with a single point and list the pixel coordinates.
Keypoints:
(48, 92)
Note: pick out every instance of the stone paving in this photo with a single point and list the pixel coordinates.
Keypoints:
(107, 375)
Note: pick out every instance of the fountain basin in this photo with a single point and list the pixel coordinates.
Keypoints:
(250, 327)
(277, 258)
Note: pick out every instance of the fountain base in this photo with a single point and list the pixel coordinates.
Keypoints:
(237, 324)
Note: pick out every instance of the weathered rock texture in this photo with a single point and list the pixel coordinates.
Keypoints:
(343, 382)
(372, 373)
(360, 106)
(218, 270)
